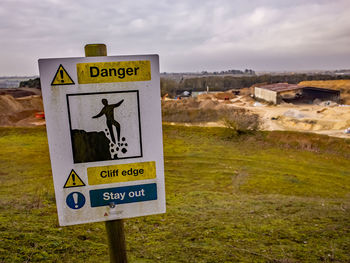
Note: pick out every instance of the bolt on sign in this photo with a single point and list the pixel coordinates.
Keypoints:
(103, 122)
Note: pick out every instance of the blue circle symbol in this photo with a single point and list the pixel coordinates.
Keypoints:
(75, 200)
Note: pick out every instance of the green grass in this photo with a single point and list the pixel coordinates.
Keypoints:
(260, 197)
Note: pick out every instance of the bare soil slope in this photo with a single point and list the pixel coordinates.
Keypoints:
(324, 118)
(20, 111)
(330, 120)
(208, 109)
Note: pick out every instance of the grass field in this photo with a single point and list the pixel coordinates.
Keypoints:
(261, 197)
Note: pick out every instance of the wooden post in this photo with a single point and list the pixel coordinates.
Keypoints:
(114, 228)
(95, 50)
(116, 241)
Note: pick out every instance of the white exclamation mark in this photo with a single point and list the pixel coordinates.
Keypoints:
(75, 198)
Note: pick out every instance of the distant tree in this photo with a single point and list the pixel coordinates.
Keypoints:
(168, 86)
(32, 83)
(222, 83)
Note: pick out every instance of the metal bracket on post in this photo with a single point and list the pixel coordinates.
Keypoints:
(114, 228)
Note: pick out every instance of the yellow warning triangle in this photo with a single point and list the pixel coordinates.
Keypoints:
(62, 77)
(73, 180)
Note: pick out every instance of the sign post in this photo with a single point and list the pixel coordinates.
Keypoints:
(114, 228)
(103, 122)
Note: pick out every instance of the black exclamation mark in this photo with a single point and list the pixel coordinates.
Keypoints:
(61, 73)
(73, 178)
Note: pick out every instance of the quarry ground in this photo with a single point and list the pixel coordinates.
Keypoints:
(324, 118)
(329, 120)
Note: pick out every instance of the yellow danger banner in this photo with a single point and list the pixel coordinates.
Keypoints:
(107, 72)
(121, 173)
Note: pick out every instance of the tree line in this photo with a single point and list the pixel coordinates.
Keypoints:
(223, 83)
(219, 83)
(31, 83)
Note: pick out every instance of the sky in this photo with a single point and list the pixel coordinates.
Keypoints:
(188, 35)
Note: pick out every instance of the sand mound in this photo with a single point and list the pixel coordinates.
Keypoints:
(183, 104)
(208, 104)
(191, 103)
(20, 111)
(305, 118)
(9, 104)
(206, 96)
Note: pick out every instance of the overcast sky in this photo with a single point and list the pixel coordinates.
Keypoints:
(188, 35)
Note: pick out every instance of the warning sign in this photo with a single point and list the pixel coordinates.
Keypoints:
(61, 77)
(73, 180)
(104, 130)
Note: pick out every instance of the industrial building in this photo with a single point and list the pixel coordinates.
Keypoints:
(293, 93)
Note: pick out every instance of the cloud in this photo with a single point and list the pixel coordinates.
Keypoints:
(188, 35)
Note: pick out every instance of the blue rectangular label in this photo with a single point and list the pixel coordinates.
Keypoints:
(123, 195)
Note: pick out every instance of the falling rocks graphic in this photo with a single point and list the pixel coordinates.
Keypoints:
(90, 146)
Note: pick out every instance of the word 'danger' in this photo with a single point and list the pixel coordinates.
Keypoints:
(107, 72)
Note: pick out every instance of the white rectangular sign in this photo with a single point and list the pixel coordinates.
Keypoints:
(103, 119)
